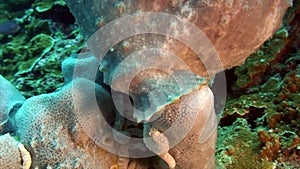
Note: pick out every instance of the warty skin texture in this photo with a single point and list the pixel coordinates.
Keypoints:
(235, 27)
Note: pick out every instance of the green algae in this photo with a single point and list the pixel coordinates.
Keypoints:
(37, 25)
(256, 64)
(272, 107)
(45, 5)
(37, 48)
(238, 147)
(45, 75)
(26, 53)
(31, 58)
(265, 98)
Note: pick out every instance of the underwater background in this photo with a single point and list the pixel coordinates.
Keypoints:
(260, 125)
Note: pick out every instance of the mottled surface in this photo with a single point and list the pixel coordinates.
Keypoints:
(10, 157)
(189, 124)
(84, 63)
(236, 28)
(197, 149)
(260, 128)
(48, 129)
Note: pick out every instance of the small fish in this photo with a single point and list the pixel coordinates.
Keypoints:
(9, 27)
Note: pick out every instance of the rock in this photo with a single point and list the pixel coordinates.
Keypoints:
(81, 63)
(11, 101)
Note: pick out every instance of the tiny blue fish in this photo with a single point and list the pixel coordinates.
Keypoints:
(9, 27)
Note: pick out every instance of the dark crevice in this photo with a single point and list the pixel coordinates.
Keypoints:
(60, 14)
(251, 117)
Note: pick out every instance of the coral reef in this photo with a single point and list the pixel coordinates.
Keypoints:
(238, 147)
(267, 102)
(61, 129)
(260, 61)
(219, 28)
(31, 58)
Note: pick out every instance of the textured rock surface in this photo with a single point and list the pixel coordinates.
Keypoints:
(194, 115)
(151, 90)
(48, 129)
(10, 157)
(82, 62)
(235, 27)
(10, 98)
(184, 134)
